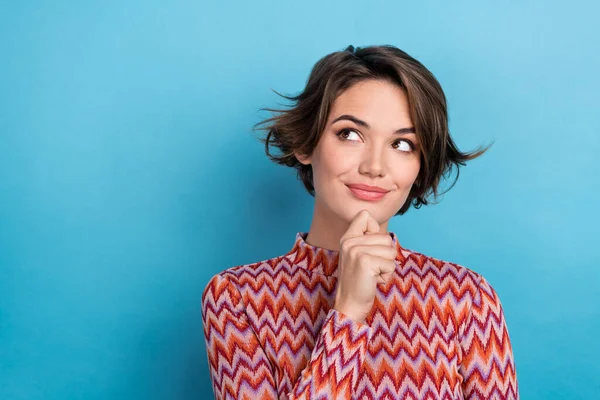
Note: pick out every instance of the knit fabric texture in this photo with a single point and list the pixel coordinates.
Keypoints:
(436, 331)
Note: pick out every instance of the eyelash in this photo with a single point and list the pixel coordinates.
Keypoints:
(345, 130)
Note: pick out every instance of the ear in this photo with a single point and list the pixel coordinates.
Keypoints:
(304, 159)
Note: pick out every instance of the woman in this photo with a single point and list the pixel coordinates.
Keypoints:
(348, 312)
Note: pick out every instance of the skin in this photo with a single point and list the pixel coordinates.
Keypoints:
(373, 156)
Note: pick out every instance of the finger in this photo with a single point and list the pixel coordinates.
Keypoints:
(385, 277)
(372, 224)
(384, 251)
(361, 223)
(378, 265)
(383, 239)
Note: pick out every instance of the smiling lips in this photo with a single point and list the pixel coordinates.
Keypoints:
(366, 192)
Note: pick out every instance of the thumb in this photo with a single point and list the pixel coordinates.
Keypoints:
(372, 226)
(361, 224)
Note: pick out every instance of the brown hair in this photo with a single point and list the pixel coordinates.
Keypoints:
(299, 128)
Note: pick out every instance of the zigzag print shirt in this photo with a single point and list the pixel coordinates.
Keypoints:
(436, 331)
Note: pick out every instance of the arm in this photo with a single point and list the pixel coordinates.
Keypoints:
(487, 366)
(240, 368)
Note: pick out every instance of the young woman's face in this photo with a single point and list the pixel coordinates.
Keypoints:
(370, 153)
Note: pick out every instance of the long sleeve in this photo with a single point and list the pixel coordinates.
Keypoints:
(487, 366)
(240, 368)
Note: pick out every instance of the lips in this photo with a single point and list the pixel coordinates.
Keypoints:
(366, 195)
(367, 188)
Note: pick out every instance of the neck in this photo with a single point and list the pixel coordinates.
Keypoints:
(327, 228)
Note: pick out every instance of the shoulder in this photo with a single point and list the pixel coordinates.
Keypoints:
(428, 265)
(463, 279)
(234, 278)
(471, 293)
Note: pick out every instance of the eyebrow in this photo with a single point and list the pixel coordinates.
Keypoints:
(363, 123)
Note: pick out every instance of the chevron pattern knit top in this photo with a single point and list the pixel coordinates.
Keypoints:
(436, 331)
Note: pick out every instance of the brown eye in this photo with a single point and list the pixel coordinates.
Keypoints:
(410, 145)
(343, 133)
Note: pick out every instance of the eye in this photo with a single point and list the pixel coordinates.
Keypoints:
(344, 133)
(410, 146)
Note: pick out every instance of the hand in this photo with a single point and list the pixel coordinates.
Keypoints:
(366, 259)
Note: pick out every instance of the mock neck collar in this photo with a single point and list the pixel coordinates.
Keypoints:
(322, 260)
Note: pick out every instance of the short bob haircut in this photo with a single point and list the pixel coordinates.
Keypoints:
(299, 128)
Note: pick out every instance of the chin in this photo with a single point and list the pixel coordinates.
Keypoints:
(348, 212)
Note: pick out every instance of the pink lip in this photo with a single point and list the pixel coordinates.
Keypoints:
(366, 194)
(367, 187)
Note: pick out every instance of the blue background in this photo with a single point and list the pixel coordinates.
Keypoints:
(129, 176)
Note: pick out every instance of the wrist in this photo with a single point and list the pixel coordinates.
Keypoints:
(347, 311)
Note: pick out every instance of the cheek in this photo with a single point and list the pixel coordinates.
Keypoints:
(334, 161)
(405, 172)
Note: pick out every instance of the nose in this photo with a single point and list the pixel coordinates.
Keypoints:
(372, 163)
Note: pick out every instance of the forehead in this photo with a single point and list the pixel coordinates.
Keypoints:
(377, 99)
